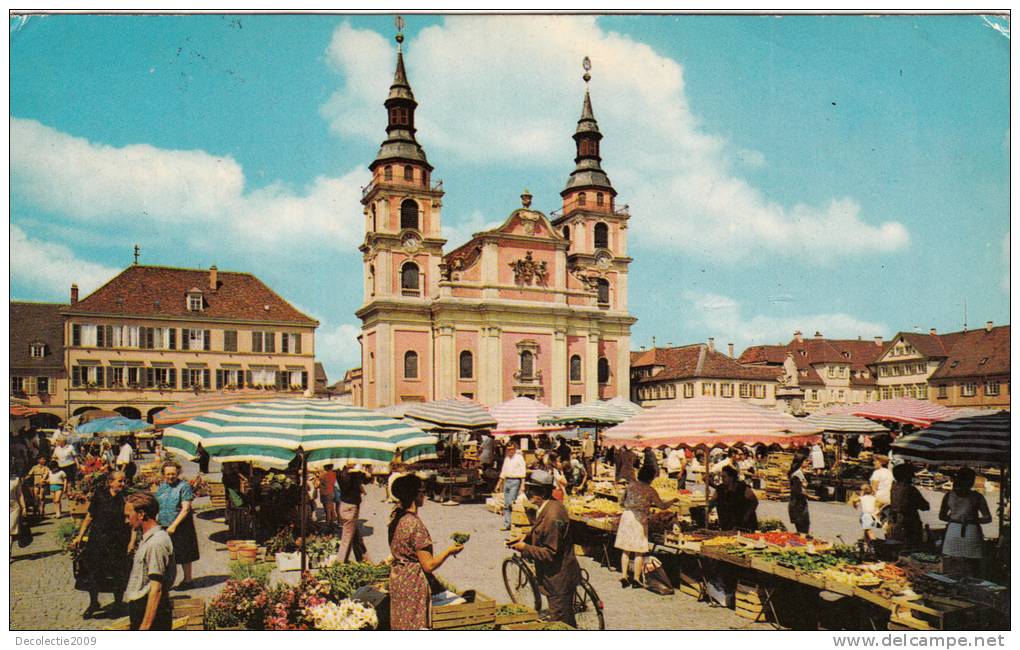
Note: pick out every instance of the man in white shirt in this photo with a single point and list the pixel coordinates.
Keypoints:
(675, 462)
(817, 457)
(511, 475)
(881, 481)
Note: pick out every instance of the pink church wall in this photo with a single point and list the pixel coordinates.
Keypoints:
(540, 252)
(608, 349)
(420, 342)
(512, 364)
(422, 261)
(467, 340)
(576, 345)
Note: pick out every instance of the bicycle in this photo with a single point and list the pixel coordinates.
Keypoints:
(522, 587)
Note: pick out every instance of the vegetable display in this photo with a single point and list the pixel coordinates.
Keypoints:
(460, 538)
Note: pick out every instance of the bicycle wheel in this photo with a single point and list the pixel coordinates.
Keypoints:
(588, 608)
(520, 583)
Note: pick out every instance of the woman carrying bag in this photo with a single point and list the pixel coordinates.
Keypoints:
(104, 562)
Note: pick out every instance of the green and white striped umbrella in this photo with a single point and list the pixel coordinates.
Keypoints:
(272, 433)
(844, 423)
(453, 414)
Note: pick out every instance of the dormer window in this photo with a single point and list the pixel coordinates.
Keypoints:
(582, 198)
(195, 300)
(37, 350)
(600, 199)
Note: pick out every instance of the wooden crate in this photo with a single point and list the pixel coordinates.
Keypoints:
(749, 600)
(934, 613)
(479, 611)
(190, 611)
(515, 619)
(691, 586)
(217, 495)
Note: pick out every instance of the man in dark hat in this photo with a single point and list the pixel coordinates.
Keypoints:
(549, 545)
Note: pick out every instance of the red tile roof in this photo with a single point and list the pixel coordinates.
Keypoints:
(157, 291)
(976, 353)
(37, 322)
(813, 350)
(697, 361)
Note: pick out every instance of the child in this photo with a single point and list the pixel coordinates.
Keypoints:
(39, 477)
(868, 506)
(58, 484)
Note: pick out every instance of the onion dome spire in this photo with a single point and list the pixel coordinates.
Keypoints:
(588, 172)
(400, 143)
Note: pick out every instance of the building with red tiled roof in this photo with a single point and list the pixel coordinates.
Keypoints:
(155, 335)
(663, 375)
(968, 368)
(36, 359)
(831, 371)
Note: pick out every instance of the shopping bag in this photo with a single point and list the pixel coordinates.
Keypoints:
(656, 579)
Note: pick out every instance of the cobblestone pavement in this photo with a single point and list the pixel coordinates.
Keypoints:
(43, 595)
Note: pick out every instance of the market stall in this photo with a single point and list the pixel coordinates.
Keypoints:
(846, 475)
(299, 433)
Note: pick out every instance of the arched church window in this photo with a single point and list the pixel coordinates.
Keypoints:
(409, 214)
(575, 368)
(527, 365)
(409, 279)
(600, 198)
(603, 288)
(388, 173)
(601, 235)
(566, 233)
(408, 173)
(603, 370)
(410, 365)
(582, 198)
(467, 365)
(371, 279)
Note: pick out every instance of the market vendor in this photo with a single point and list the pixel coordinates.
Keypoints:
(175, 496)
(965, 510)
(735, 502)
(549, 546)
(411, 548)
(905, 501)
(676, 467)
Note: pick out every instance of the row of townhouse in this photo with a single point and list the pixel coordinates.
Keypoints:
(153, 336)
(958, 369)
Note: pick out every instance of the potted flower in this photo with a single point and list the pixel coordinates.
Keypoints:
(345, 615)
(321, 551)
(283, 546)
(243, 604)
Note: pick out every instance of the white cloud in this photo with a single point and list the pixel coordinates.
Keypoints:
(337, 348)
(460, 233)
(506, 90)
(51, 268)
(198, 192)
(722, 317)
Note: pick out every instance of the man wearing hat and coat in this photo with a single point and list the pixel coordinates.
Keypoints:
(549, 546)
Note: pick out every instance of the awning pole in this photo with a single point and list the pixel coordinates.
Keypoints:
(304, 505)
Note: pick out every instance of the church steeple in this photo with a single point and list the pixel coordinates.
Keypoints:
(400, 144)
(588, 172)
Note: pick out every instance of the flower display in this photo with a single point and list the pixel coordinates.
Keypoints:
(346, 615)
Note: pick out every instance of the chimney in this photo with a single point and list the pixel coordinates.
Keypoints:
(818, 334)
(74, 294)
(729, 346)
(932, 331)
(799, 336)
(711, 344)
(212, 277)
(878, 341)
(988, 326)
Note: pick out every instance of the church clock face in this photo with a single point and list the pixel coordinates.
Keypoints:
(411, 244)
(602, 261)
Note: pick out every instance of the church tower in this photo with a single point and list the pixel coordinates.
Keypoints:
(403, 247)
(589, 220)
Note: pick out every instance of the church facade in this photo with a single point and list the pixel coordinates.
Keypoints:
(535, 307)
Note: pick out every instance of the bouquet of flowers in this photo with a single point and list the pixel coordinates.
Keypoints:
(242, 603)
(345, 615)
(199, 486)
(289, 605)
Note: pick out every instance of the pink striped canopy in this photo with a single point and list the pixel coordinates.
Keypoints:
(205, 402)
(520, 416)
(711, 422)
(907, 410)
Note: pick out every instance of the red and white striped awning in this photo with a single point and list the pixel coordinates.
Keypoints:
(20, 411)
(520, 416)
(906, 410)
(711, 422)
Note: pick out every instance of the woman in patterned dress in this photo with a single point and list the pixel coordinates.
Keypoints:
(411, 548)
(632, 535)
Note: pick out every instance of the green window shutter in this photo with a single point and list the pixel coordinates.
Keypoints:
(297, 343)
(185, 339)
(304, 380)
(171, 377)
(206, 338)
(173, 338)
(75, 334)
(206, 378)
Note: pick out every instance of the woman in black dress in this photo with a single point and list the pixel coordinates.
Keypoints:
(104, 561)
(905, 501)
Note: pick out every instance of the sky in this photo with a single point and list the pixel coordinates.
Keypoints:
(841, 174)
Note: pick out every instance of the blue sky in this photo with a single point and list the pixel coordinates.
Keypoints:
(842, 174)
